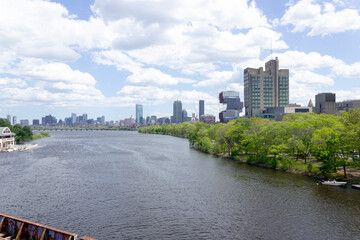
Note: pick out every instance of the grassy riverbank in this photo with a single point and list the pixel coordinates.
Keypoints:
(323, 146)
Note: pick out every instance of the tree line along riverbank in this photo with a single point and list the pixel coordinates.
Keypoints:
(23, 134)
(312, 144)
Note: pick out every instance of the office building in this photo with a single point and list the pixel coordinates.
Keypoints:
(201, 108)
(184, 116)
(139, 113)
(8, 118)
(103, 121)
(36, 122)
(14, 120)
(24, 122)
(84, 117)
(128, 122)
(177, 112)
(347, 104)
(277, 113)
(325, 103)
(153, 120)
(265, 88)
(48, 120)
(231, 101)
(208, 118)
(73, 118)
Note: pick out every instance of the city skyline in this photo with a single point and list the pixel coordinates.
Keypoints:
(87, 56)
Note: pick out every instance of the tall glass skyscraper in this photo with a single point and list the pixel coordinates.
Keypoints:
(139, 113)
(177, 112)
(201, 108)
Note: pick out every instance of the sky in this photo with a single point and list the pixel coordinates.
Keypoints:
(101, 57)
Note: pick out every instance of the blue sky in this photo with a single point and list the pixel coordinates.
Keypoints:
(102, 57)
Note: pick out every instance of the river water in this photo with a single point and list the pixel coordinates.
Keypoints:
(126, 185)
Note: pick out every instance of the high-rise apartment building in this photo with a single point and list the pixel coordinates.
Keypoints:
(234, 106)
(265, 88)
(201, 108)
(177, 112)
(14, 120)
(325, 103)
(9, 118)
(139, 113)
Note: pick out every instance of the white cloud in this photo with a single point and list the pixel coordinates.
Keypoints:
(152, 95)
(13, 82)
(301, 61)
(306, 61)
(342, 95)
(45, 30)
(53, 84)
(232, 14)
(153, 76)
(321, 20)
(347, 71)
(311, 79)
(39, 70)
(215, 79)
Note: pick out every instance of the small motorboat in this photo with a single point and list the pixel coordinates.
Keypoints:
(356, 186)
(333, 183)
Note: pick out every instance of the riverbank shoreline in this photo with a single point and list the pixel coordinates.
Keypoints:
(21, 148)
(313, 172)
(337, 176)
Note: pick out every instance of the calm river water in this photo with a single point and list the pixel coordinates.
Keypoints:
(126, 185)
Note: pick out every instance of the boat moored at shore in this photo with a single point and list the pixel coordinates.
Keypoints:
(333, 183)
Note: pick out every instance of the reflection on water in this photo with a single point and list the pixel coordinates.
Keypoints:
(115, 185)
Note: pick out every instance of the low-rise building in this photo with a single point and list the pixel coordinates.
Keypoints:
(208, 118)
(347, 104)
(7, 138)
(277, 113)
(325, 103)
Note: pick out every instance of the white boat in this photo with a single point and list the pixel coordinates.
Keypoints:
(333, 183)
(356, 186)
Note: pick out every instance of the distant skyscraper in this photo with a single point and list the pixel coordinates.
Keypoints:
(73, 118)
(84, 117)
(325, 103)
(103, 120)
(184, 116)
(201, 108)
(14, 120)
(139, 113)
(9, 118)
(233, 106)
(177, 112)
(24, 122)
(36, 122)
(263, 89)
(153, 120)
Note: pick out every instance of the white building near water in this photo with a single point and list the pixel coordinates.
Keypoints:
(7, 138)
